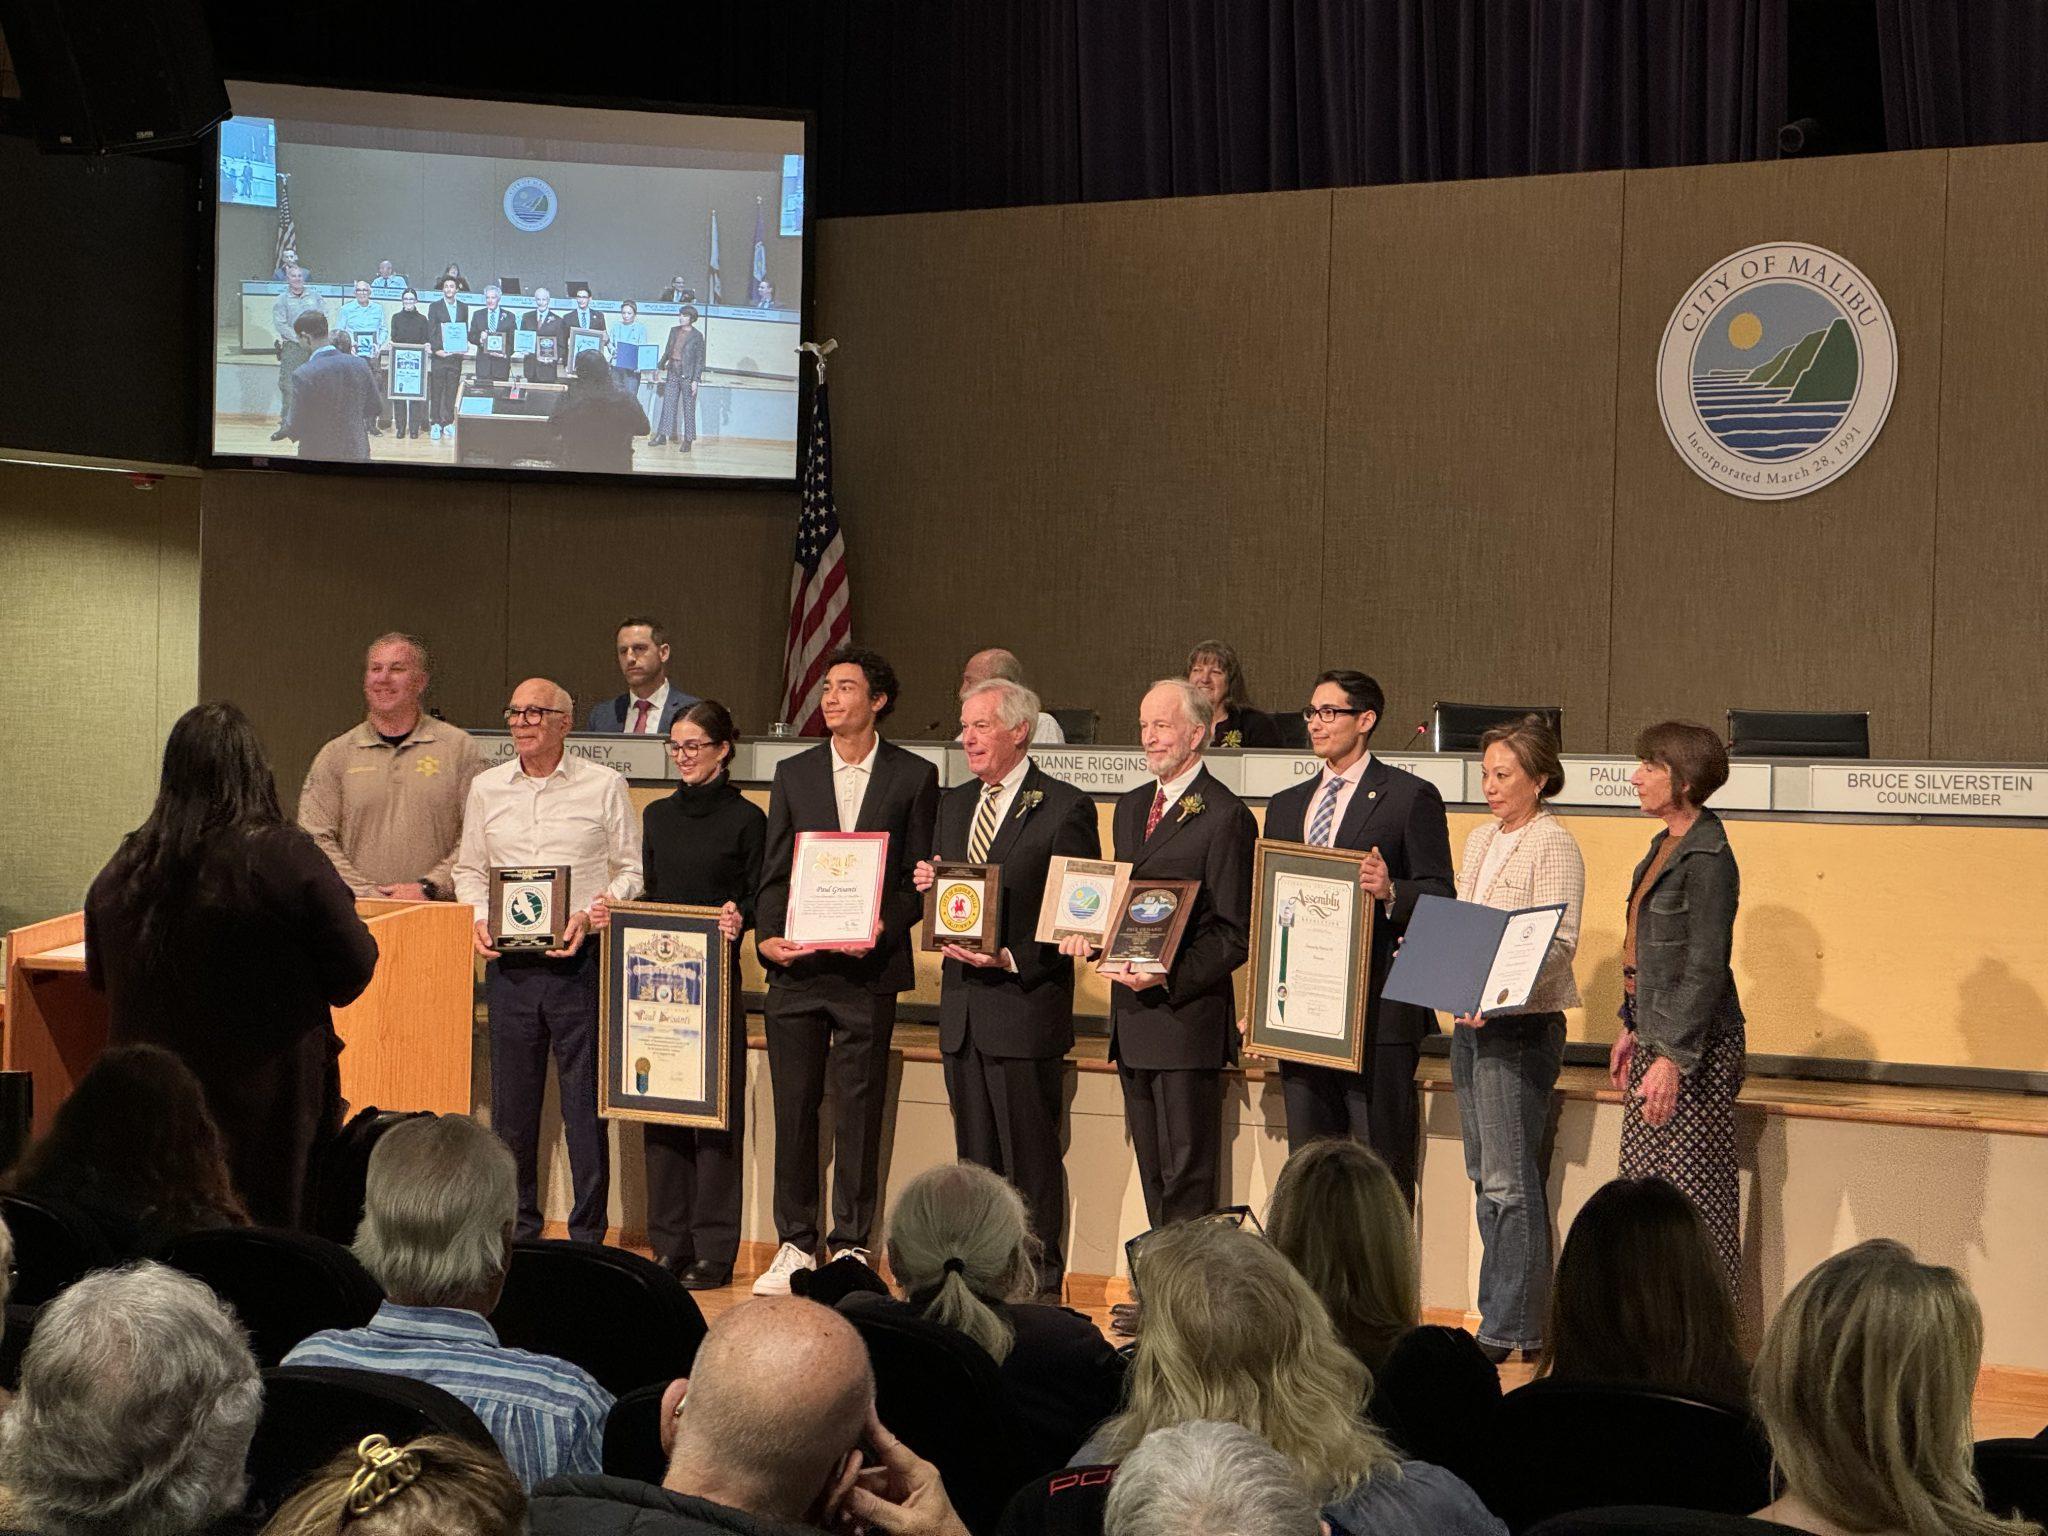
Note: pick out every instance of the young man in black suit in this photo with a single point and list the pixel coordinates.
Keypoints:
(1006, 1020)
(1357, 801)
(833, 1012)
(444, 376)
(1171, 1036)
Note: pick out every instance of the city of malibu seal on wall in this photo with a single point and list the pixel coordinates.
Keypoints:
(1777, 370)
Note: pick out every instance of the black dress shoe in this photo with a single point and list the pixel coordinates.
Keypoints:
(705, 1275)
(1126, 1318)
(277, 436)
(656, 441)
(1496, 1354)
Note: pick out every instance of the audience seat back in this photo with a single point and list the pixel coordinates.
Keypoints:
(940, 1393)
(623, 1318)
(1554, 1450)
(310, 1413)
(1652, 1520)
(2014, 1476)
(21, 1327)
(285, 1286)
(1069, 1502)
(54, 1244)
(632, 1435)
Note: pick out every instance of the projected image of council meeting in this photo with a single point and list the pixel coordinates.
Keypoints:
(488, 285)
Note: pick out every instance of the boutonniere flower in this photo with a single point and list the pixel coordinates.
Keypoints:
(1190, 805)
(1233, 738)
(1028, 802)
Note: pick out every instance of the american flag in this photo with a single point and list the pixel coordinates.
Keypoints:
(714, 290)
(287, 231)
(818, 596)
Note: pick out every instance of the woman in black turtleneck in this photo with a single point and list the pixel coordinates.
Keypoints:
(702, 847)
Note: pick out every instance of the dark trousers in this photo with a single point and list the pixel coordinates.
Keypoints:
(1006, 1117)
(694, 1178)
(838, 1034)
(1378, 1106)
(444, 383)
(1176, 1125)
(540, 1007)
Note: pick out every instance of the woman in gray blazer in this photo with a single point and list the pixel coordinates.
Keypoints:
(1504, 1067)
(1679, 1059)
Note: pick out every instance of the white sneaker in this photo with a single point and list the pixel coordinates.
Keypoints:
(435, 433)
(853, 1253)
(789, 1259)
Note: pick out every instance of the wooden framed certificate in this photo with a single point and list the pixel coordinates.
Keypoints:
(529, 906)
(835, 889)
(1311, 955)
(1081, 898)
(964, 907)
(1150, 919)
(665, 1037)
(408, 370)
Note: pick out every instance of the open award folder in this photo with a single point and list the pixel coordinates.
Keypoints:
(1466, 960)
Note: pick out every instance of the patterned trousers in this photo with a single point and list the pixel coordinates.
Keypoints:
(1695, 1149)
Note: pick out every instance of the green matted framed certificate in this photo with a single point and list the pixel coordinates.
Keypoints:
(664, 1039)
(1311, 955)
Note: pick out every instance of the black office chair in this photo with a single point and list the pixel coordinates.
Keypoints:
(623, 1318)
(1654, 1520)
(1547, 1458)
(632, 1435)
(940, 1394)
(2014, 1476)
(1069, 1502)
(1798, 733)
(285, 1286)
(1458, 727)
(311, 1413)
(1292, 727)
(54, 1244)
(1077, 725)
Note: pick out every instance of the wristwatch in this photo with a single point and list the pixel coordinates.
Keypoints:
(433, 891)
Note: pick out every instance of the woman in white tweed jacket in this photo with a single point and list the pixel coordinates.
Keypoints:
(1505, 1066)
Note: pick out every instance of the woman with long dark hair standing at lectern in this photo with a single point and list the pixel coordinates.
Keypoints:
(221, 932)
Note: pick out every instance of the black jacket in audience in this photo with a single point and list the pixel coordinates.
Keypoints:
(618, 1506)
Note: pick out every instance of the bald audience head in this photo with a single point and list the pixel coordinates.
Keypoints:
(774, 1411)
(986, 666)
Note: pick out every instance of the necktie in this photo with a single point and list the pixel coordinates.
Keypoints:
(1326, 814)
(1158, 810)
(984, 831)
(640, 719)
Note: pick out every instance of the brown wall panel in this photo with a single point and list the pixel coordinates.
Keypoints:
(1823, 601)
(1471, 445)
(1991, 571)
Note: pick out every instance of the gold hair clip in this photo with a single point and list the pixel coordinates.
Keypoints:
(384, 1471)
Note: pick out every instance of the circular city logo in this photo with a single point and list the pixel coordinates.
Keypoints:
(960, 909)
(1777, 370)
(530, 204)
(1084, 902)
(525, 908)
(1153, 907)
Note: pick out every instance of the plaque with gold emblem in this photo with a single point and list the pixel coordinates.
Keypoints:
(963, 907)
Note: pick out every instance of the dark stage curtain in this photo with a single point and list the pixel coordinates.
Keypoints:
(1963, 71)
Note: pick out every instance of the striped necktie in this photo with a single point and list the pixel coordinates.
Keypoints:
(984, 831)
(1326, 814)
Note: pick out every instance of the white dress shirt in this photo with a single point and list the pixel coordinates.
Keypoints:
(657, 701)
(1174, 788)
(580, 815)
(1350, 779)
(1006, 795)
(850, 783)
(1048, 730)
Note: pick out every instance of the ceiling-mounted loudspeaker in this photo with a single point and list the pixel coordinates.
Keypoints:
(112, 75)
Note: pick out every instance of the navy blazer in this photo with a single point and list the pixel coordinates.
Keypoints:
(1402, 816)
(610, 714)
(1028, 1014)
(334, 400)
(1190, 1023)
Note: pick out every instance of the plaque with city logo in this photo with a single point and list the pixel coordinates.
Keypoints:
(529, 907)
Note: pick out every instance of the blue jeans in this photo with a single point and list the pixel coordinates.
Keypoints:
(1504, 1072)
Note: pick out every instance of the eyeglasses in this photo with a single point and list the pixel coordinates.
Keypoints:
(689, 748)
(1326, 712)
(532, 714)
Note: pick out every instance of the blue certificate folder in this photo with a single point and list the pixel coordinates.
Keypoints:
(1467, 960)
(454, 336)
(633, 354)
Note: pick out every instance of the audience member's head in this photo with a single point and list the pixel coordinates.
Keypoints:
(1206, 1478)
(136, 1137)
(138, 1399)
(311, 328)
(439, 1205)
(1233, 1332)
(960, 1242)
(434, 1486)
(988, 665)
(1641, 1296)
(1864, 1384)
(1340, 1218)
(774, 1412)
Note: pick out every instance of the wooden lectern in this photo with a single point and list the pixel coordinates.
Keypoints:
(407, 1038)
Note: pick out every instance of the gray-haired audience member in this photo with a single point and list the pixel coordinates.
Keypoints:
(437, 1236)
(998, 665)
(775, 1424)
(1207, 1477)
(138, 1399)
